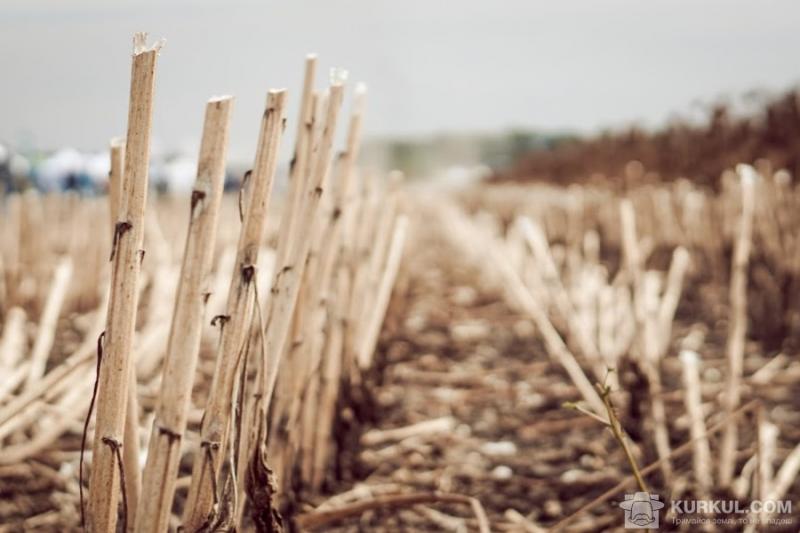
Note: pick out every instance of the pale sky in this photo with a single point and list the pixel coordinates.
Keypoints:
(431, 66)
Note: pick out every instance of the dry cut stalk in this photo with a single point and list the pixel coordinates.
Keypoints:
(115, 371)
(780, 485)
(701, 453)
(368, 278)
(11, 380)
(62, 417)
(285, 289)
(650, 363)
(537, 241)
(317, 519)
(331, 371)
(555, 344)
(214, 431)
(12, 343)
(49, 321)
(287, 276)
(321, 312)
(738, 322)
(672, 295)
(373, 327)
(645, 288)
(291, 206)
(621, 436)
(307, 325)
(363, 227)
(161, 469)
(523, 522)
(767, 441)
(130, 452)
(300, 160)
(630, 242)
(375, 437)
(44, 388)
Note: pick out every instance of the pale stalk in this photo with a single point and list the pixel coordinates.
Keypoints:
(183, 346)
(215, 428)
(115, 368)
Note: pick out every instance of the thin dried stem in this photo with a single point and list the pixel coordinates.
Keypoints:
(183, 347)
(215, 428)
(652, 467)
(317, 519)
(127, 252)
(48, 322)
(738, 322)
(701, 452)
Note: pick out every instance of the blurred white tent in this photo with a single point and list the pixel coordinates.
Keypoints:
(97, 167)
(52, 173)
(177, 174)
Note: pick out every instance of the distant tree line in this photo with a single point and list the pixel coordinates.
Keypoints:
(682, 149)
